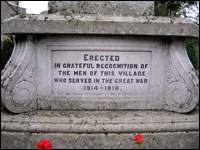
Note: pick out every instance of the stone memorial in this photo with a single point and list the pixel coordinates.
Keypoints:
(100, 56)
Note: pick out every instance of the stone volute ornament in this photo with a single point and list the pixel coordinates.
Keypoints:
(79, 57)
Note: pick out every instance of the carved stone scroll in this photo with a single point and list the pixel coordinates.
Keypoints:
(182, 84)
(18, 86)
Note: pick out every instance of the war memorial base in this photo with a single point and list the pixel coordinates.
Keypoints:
(100, 129)
(61, 82)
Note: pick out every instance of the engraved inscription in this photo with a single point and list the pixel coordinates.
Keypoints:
(105, 72)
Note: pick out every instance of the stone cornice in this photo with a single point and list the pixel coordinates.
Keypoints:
(99, 24)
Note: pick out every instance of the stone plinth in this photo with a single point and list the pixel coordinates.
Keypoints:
(100, 129)
(89, 62)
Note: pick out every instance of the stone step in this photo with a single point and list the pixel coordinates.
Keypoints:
(100, 129)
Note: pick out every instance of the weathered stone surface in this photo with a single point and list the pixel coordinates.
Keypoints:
(120, 8)
(41, 72)
(100, 129)
(99, 24)
(39, 75)
(63, 121)
(168, 80)
(170, 140)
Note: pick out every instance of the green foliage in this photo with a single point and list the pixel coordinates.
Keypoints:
(160, 9)
(172, 8)
(6, 51)
(190, 46)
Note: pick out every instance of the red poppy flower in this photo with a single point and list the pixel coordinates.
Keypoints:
(138, 138)
(45, 144)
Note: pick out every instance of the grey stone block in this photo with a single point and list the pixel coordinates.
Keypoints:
(99, 24)
(100, 129)
(171, 140)
(119, 8)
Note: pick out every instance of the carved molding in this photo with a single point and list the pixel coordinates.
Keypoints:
(182, 88)
(18, 84)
